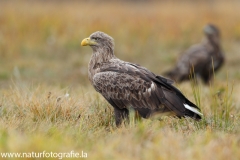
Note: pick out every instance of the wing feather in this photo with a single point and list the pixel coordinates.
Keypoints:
(128, 85)
(121, 87)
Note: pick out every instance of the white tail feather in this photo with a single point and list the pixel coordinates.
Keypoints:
(192, 109)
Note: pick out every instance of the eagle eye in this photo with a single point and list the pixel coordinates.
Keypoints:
(96, 38)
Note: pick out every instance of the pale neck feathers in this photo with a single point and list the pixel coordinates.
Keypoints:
(100, 55)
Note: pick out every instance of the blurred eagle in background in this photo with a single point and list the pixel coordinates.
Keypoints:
(201, 59)
(130, 86)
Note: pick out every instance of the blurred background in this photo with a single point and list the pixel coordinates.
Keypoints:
(40, 40)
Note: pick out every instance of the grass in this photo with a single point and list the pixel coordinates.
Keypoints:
(47, 103)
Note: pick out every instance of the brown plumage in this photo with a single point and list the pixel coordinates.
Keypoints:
(126, 85)
(201, 59)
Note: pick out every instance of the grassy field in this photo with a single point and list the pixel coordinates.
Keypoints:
(47, 103)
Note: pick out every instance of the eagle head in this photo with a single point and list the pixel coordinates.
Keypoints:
(211, 29)
(212, 33)
(99, 40)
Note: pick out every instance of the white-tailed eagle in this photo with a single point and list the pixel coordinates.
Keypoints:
(201, 59)
(126, 85)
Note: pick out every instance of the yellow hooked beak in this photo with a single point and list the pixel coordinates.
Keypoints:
(87, 42)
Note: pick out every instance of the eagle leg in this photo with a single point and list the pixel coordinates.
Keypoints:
(121, 115)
